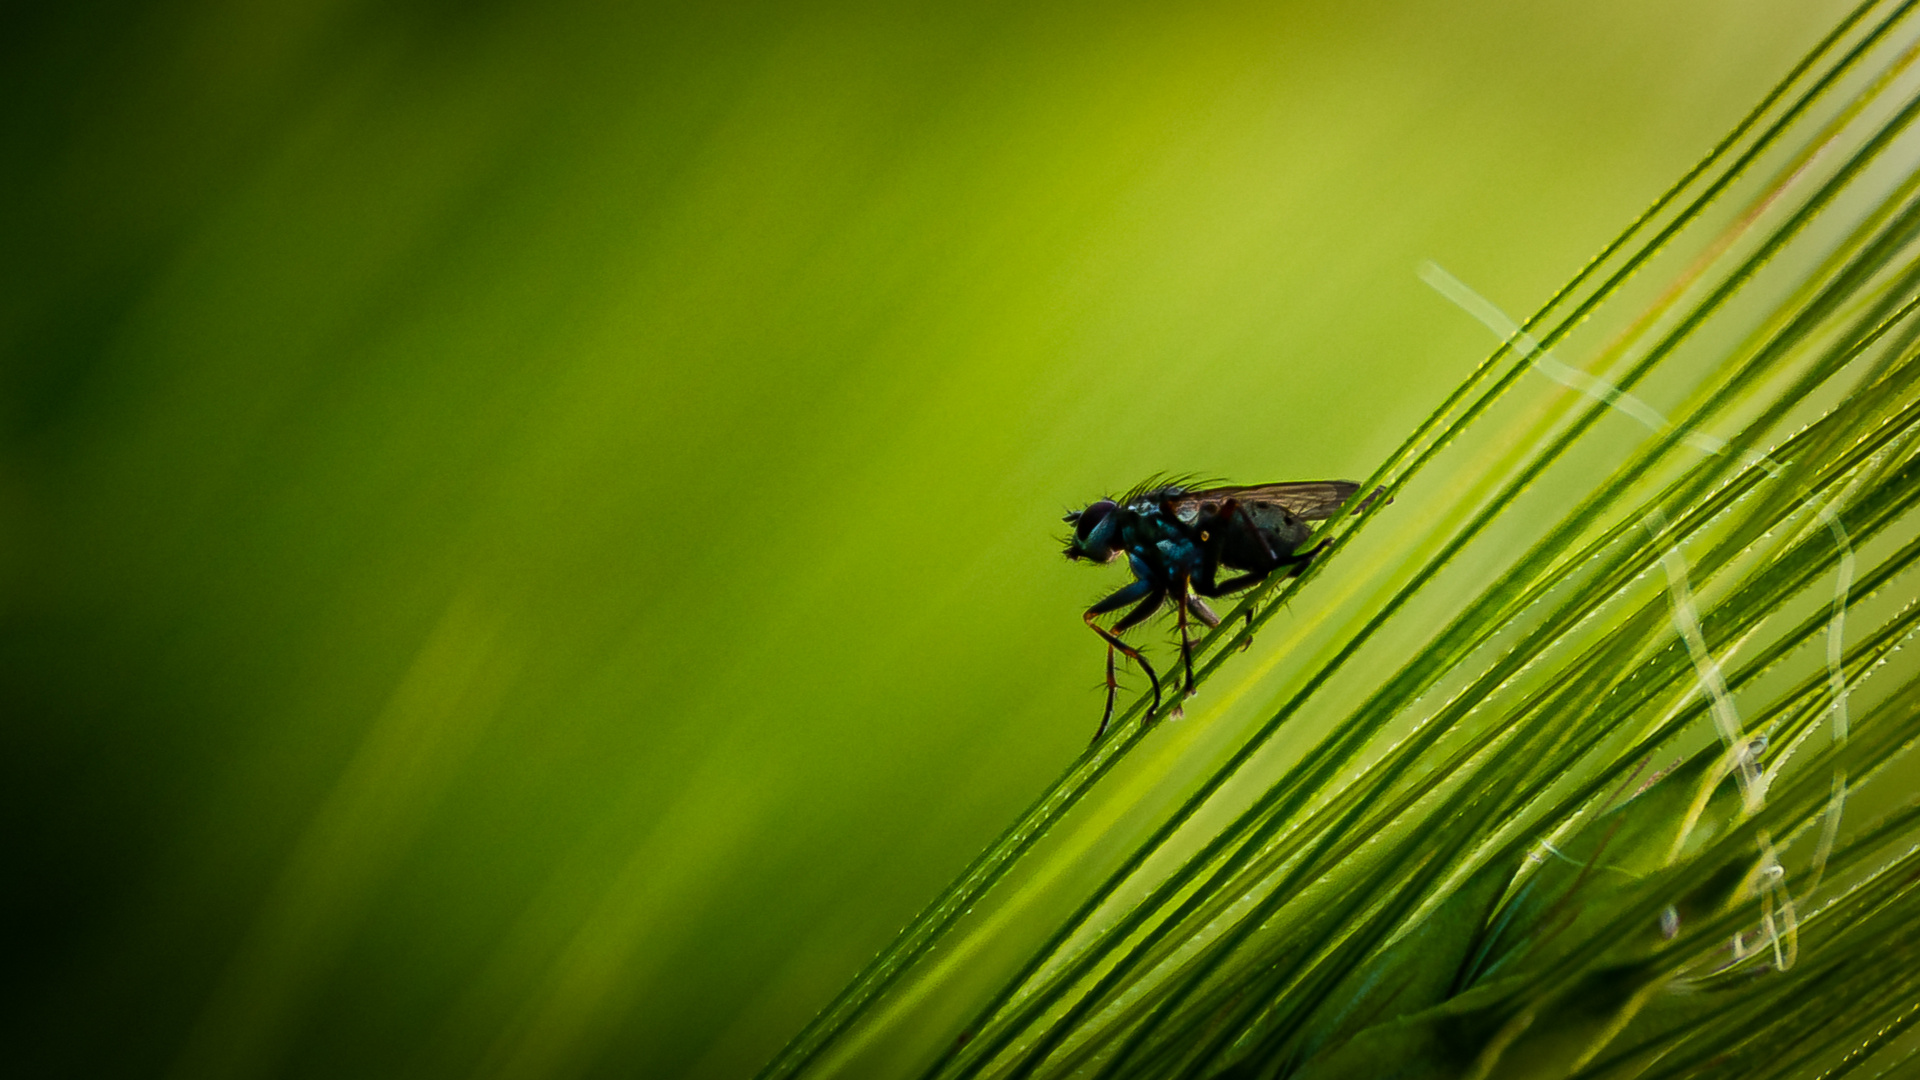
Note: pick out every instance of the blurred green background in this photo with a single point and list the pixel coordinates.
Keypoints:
(530, 531)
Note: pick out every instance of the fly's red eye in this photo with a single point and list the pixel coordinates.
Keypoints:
(1091, 517)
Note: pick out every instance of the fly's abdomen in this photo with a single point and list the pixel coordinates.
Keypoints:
(1261, 535)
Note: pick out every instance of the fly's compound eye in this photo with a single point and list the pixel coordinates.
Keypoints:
(1090, 518)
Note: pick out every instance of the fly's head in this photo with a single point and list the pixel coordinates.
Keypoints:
(1094, 532)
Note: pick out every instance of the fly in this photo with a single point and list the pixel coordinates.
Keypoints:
(1178, 540)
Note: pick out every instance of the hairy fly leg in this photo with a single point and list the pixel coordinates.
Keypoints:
(1184, 589)
(1201, 611)
(1150, 596)
(1113, 642)
(1227, 588)
(1294, 564)
(1136, 591)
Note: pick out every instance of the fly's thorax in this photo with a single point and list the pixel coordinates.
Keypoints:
(1145, 523)
(1179, 555)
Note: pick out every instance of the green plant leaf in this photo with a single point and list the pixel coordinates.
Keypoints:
(1563, 785)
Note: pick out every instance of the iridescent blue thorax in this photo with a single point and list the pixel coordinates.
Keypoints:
(1142, 526)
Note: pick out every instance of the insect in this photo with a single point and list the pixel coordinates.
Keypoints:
(1177, 540)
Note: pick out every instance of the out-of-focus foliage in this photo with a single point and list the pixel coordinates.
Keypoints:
(527, 531)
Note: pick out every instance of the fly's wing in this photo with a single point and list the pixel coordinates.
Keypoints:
(1309, 500)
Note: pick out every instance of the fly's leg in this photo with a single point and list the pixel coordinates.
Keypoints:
(1113, 688)
(1206, 615)
(1113, 684)
(1234, 584)
(1149, 598)
(1186, 640)
(1228, 587)
(1113, 642)
(1297, 564)
(1200, 610)
(1119, 599)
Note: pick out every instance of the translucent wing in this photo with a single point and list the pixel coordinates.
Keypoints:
(1309, 500)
